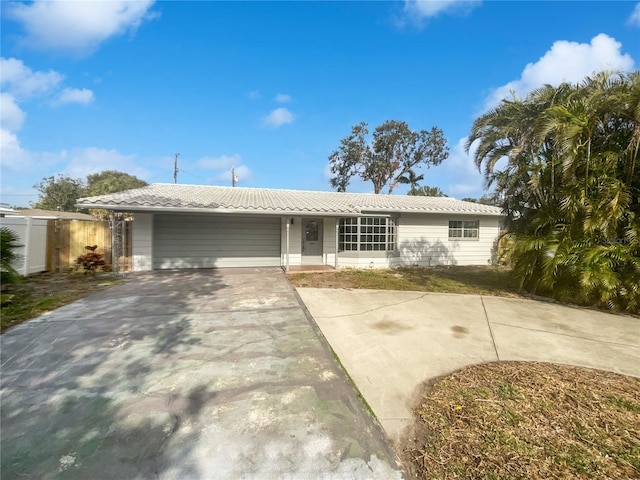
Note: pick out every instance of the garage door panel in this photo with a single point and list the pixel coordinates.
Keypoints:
(207, 241)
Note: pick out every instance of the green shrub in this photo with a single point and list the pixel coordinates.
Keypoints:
(8, 246)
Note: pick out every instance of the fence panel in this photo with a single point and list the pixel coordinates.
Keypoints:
(68, 239)
(32, 233)
(54, 245)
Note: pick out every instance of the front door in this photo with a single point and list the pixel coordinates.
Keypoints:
(312, 241)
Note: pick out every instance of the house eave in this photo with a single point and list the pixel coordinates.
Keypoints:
(355, 212)
(373, 211)
(222, 211)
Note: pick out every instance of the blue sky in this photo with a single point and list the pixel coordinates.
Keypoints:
(272, 87)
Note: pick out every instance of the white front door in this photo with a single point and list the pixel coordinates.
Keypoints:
(312, 241)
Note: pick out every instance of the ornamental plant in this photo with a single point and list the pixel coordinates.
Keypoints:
(91, 260)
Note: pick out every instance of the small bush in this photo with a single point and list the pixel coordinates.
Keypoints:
(91, 260)
(8, 246)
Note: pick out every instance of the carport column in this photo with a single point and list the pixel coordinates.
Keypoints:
(114, 244)
(337, 243)
(287, 254)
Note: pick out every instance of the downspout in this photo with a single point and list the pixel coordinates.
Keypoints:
(287, 252)
(337, 242)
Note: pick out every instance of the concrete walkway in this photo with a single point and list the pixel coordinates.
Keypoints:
(207, 374)
(392, 342)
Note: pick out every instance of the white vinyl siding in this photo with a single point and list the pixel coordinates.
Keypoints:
(424, 240)
(207, 241)
(329, 244)
(142, 242)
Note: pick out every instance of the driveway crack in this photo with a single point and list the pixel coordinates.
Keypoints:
(493, 339)
(174, 428)
(387, 305)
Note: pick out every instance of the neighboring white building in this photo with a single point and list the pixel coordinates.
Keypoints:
(192, 226)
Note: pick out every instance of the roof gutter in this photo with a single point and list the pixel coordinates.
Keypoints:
(226, 211)
(223, 211)
(441, 211)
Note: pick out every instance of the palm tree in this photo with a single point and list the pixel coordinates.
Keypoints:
(564, 160)
(8, 255)
(412, 179)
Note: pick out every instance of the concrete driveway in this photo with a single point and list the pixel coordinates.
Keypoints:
(210, 374)
(392, 342)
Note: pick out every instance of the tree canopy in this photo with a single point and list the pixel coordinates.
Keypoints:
(564, 162)
(492, 199)
(427, 191)
(388, 158)
(111, 181)
(61, 192)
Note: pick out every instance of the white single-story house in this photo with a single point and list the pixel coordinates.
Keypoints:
(193, 226)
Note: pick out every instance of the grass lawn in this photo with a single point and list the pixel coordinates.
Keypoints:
(475, 280)
(38, 294)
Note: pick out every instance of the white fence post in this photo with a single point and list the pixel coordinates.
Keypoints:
(27, 245)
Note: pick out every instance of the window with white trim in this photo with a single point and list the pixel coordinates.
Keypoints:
(367, 234)
(464, 229)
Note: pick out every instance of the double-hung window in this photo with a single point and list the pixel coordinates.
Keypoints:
(367, 234)
(464, 229)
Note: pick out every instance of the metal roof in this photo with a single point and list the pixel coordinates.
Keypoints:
(164, 197)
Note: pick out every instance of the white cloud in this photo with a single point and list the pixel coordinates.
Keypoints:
(460, 174)
(17, 159)
(219, 163)
(242, 172)
(12, 153)
(566, 62)
(278, 117)
(223, 165)
(82, 96)
(417, 10)
(11, 115)
(85, 161)
(77, 27)
(23, 82)
(634, 19)
(254, 94)
(282, 98)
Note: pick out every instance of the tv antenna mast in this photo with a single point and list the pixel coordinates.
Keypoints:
(175, 168)
(234, 177)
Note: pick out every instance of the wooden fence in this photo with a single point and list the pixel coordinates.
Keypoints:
(67, 239)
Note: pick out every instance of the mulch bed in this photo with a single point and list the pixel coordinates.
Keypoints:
(526, 420)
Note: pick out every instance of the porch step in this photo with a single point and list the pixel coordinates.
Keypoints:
(310, 268)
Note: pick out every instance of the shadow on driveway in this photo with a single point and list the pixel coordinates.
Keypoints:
(183, 374)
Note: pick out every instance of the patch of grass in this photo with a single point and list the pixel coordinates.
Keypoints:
(468, 279)
(38, 294)
(526, 420)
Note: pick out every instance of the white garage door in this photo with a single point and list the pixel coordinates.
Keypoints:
(207, 241)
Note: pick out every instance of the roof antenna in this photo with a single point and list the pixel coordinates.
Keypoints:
(234, 177)
(175, 168)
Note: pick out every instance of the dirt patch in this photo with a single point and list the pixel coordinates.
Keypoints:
(479, 280)
(38, 294)
(526, 420)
